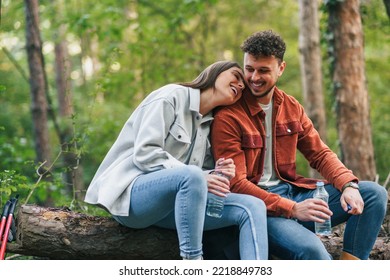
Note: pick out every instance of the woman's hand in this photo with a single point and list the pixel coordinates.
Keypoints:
(226, 167)
(218, 181)
(218, 184)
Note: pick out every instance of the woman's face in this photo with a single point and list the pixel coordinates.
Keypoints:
(229, 85)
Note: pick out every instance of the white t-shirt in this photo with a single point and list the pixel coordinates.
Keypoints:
(269, 178)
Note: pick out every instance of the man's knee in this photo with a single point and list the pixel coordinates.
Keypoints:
(315, 252)
(374, 193)
(313, 249)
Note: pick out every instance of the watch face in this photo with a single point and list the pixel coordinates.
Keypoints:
(354, 185)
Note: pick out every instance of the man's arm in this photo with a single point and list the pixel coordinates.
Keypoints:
(320, 156)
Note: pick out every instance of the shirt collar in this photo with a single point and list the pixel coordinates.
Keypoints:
(195, 104)
(254, 106)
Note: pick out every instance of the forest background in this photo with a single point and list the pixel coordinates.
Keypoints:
(113, 53)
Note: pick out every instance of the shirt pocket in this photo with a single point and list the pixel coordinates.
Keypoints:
(287, 135)
(178, 142)
(290, 128)
(252, 145)
(179, 134)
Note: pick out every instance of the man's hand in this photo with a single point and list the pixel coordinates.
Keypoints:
(314, 210)
(352, 197)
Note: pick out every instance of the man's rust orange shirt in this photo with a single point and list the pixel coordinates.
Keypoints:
(238, 132)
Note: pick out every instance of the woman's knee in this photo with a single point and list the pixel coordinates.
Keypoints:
(193, 179)
(249, 205)
(255, 204)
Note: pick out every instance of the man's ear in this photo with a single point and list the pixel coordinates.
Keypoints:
(282, 66)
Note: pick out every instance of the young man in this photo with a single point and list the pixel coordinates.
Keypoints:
(262, 133)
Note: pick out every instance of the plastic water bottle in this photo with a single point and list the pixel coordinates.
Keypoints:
(215, 203)
(325, 227)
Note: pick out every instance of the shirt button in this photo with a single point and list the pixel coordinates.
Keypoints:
(288, 130)
(179, 136)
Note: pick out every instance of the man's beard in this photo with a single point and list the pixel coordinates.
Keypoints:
(265, 93)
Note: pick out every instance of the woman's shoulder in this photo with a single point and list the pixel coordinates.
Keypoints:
(173, 88)
(171, 91)
(169, 94)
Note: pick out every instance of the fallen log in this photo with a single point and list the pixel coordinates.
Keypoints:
(58, 233)
(62, 234)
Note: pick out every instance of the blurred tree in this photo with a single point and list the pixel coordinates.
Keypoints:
(387, 6)
(349, 81)
(72, 169)
(310, 62)
(119, 51)
(38, 83)
(39, 90)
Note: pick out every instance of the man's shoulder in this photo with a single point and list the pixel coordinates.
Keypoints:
(230, 109)
(285, 98)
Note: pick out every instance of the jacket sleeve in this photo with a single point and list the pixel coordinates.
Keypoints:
(151, 127)
(226, 136)
(320, 156)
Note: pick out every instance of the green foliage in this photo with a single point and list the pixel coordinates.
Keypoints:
(122, 50)
(11, 184)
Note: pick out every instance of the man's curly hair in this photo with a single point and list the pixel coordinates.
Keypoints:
(264, 43)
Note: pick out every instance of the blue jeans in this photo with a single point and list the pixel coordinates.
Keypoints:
(176, 199)
(290, 239)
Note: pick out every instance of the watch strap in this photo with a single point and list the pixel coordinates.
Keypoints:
(350, 185)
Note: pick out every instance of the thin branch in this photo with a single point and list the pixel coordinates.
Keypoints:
(15, 63)
(387, 180)
(42, 175)
(15, 256)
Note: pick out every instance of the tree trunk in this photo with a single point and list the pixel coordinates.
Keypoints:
(61, 234)
(62, 67)
(352, 104)
(73, 171)
(310, 62)
(387, 6)
(39, 106)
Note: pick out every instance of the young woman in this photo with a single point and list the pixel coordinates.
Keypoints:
(159, 170)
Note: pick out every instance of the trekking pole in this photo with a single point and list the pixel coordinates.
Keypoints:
(8, 226)
(4, 218)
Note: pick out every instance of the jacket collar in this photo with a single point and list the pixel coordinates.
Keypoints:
(194, 97)
(253, 104)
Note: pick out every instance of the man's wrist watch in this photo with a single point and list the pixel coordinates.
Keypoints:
(350, 185)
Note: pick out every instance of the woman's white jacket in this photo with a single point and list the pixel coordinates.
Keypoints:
(165, 131)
